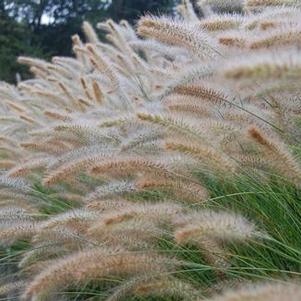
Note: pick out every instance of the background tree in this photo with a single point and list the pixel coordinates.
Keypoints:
(15, 40)
(64, 19)
(43, 27)
(132, 9)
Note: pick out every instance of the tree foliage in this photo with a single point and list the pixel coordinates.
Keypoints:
(132, 9)
(31, 27)
(15, 40)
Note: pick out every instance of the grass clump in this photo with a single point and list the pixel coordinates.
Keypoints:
(163, 164)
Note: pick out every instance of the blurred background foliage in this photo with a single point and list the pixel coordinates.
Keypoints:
(43, 28)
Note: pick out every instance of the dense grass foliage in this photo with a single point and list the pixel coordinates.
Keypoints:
(161, 165)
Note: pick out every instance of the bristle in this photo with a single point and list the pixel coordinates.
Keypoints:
(97, 264)
(171, 32)
(260, 292)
